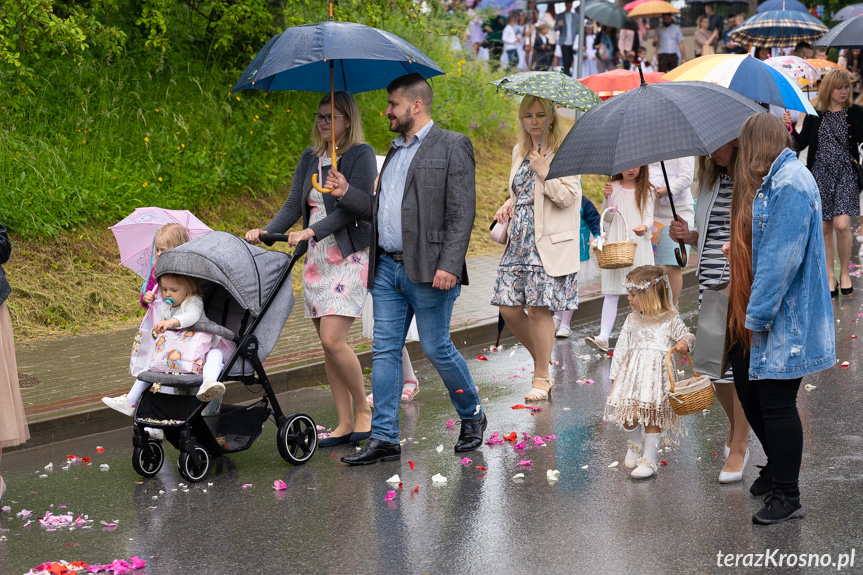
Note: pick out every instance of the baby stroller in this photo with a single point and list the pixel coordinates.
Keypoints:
(247, 298)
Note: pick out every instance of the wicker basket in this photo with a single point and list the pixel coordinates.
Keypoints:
(692, 395)
(614, 255)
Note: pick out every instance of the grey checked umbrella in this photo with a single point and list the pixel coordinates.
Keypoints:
(848, 34)
(652, 123)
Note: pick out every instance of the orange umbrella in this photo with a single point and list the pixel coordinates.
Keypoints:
(618, 81)
(651, 9)
(824, 66)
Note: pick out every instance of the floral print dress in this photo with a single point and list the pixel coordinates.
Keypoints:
(833, 170)
(332, 283)
(521, 279)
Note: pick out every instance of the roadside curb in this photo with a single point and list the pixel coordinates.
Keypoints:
(102, 419)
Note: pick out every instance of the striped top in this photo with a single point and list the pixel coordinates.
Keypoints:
(714, 268)
(714, 264)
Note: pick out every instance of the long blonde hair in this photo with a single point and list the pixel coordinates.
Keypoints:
(762, 138)
(656, 299)
(643, 187)
(345, 104)
(835, 78)
(555, 127)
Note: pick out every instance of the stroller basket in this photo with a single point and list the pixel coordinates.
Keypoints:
(237, 426)
(162, 410)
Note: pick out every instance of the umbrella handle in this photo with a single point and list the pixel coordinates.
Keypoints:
(679, 253)
(319, 188)
(315, 179)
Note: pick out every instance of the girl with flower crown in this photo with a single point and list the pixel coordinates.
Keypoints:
(638, 400)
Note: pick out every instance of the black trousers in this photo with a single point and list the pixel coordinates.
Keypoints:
(770, 406)
(567, 59)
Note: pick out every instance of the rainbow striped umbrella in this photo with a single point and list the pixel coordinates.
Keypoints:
(748, 77)
(779, 29)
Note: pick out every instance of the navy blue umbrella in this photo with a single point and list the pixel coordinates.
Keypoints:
(362, 59)
(792, 5)
(330, 56)
(779, 28)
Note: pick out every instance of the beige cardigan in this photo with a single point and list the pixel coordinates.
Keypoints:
(557, 209)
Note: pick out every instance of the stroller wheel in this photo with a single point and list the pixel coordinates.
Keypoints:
(145, 465)
(189, 470)
(298, 438)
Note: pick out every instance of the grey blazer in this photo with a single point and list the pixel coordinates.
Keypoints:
(359, 167)
(438, 207)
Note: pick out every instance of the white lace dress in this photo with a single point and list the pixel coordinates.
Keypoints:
(638, 371)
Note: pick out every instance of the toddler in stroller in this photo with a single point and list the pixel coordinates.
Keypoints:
(246, 294)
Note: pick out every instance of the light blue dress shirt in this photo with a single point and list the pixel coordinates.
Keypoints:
(393, 180)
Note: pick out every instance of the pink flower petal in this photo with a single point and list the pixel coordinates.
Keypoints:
(136, 562)
(279, 485)
(390, 496)
(466, 461)
(246, 485)
(519, 445)
(450, 422)
(525, 463)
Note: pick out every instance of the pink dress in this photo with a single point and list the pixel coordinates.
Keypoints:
(333, 283)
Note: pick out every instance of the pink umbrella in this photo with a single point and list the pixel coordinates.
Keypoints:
(135, 233)
(633, 4)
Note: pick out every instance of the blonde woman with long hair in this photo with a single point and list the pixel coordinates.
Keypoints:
(779, 314)
(337, 262)
(833, 137)
(538, 271)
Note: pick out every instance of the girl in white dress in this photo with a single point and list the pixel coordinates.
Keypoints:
(588, 65)
(639, 380)
(634, 197)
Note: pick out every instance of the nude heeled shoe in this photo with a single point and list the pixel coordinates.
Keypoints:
(537, 393)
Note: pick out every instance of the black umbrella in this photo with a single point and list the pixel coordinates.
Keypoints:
(652, 123)
(848, 34)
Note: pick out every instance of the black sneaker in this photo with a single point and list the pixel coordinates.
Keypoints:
(764, 484)
(779, 508)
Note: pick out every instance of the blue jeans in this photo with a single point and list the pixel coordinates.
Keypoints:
(396, 300)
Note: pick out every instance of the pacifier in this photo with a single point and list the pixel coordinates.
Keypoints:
(169, 301)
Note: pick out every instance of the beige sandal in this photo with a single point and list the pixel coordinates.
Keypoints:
(537, 393)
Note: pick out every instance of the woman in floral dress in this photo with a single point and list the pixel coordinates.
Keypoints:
(337, 261)
(538, 271)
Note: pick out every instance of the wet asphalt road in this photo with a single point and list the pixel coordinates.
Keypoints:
(334, 519)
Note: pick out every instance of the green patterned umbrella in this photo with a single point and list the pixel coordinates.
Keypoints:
(561, 89)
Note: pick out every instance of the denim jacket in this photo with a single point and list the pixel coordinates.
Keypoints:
(789, 311)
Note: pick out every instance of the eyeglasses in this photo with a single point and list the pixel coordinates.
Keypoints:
(325, 119)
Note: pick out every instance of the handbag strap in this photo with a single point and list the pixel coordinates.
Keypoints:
(668, 367)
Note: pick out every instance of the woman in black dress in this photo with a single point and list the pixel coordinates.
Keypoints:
(833, 138)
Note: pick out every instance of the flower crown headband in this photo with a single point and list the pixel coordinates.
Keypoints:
(647, 284)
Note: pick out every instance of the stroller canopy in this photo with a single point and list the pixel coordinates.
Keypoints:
(249, 273)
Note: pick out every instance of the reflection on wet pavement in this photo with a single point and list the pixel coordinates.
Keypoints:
(333, 518)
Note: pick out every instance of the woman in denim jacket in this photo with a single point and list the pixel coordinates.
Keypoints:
(779, 316)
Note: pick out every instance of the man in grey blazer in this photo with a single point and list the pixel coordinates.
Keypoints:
(422, 215)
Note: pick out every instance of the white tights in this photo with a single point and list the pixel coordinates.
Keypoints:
(609, 314)
(212, 367)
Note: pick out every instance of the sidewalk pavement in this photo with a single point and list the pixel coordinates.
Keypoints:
(63, 379)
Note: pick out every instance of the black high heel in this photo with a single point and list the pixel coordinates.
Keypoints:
(847, 291)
